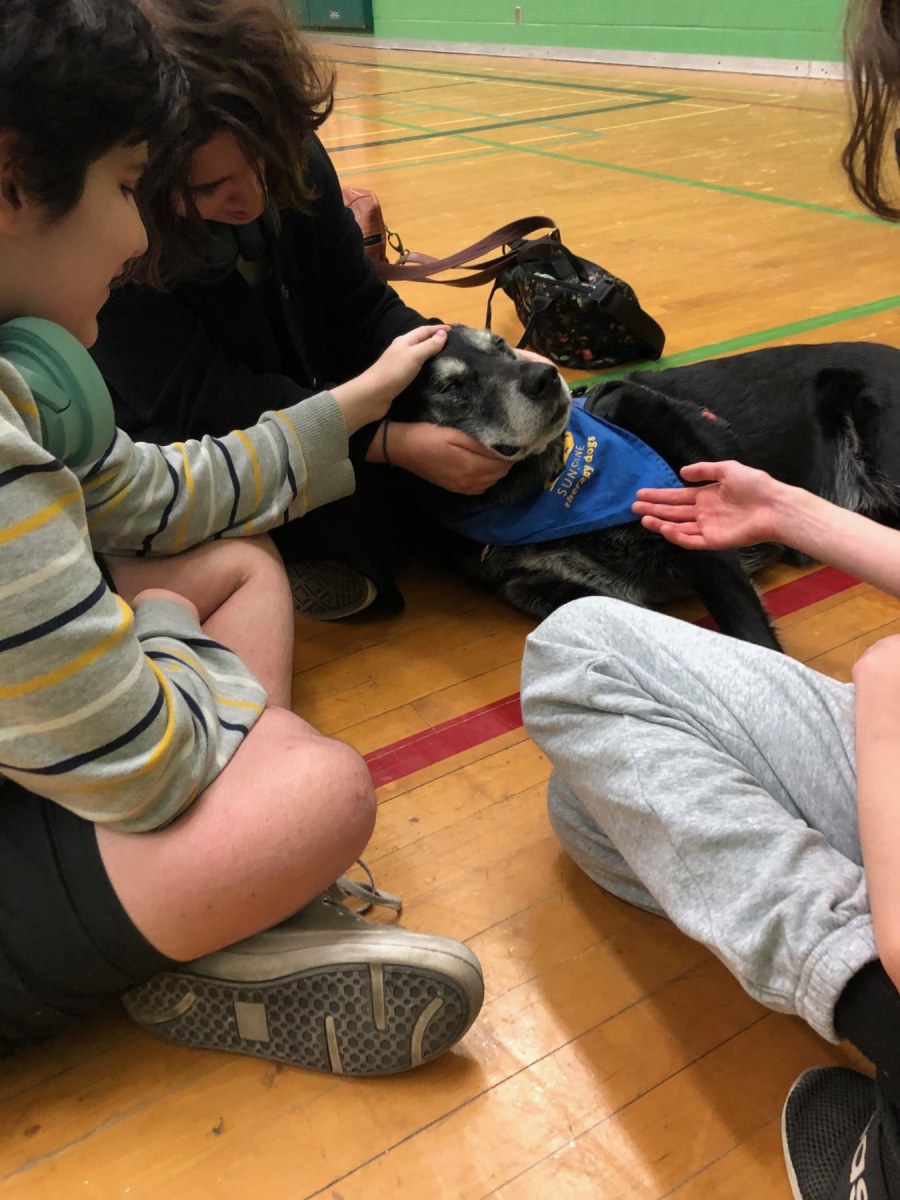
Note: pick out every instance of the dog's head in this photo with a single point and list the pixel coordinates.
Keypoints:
(478, 384)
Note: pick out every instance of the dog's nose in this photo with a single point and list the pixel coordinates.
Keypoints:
(538, 379)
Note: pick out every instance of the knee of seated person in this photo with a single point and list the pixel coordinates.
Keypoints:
(335, 776)
(588, 623)
(351, 779)
(255, 557)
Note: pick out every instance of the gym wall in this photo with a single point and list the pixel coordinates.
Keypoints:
(784, 36)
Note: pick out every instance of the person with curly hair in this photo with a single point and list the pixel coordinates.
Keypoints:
(256, 292)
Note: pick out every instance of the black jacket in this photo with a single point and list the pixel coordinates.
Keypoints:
(206, 358)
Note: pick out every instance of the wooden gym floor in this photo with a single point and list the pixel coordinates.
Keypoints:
(613, 1058)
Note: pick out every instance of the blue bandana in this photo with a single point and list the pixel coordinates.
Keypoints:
(604, 467)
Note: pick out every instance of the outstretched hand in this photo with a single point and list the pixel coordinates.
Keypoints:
(735, 507)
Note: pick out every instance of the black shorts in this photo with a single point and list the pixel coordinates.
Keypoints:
(67, 946)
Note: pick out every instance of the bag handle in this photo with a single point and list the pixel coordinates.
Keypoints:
(421, 268)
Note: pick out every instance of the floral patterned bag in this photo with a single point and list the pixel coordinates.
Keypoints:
(575, 313)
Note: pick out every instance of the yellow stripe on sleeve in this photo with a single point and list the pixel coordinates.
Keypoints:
(254, 462)
(38, 519)
(50, 678)
(191, 490)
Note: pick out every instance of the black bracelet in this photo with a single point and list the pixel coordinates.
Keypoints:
(384, 449)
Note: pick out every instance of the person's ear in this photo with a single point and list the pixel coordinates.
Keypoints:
(11, 199)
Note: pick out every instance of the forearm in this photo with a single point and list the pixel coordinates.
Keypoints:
(133, 735)
(878, 770)
(164, 499)
(123, 720)
(836, 536)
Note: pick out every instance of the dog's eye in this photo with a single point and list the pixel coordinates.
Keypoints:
(502, 345)
(449, 385)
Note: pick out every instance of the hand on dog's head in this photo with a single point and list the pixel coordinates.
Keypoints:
(478, 384)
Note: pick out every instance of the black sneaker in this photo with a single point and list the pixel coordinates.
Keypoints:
(840, 1138)
(326, 989)
(329, 591)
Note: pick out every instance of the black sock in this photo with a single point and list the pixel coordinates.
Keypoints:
(868, 1015)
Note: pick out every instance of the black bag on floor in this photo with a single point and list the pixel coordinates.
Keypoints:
(575, 313)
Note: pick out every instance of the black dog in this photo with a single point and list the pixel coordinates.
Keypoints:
(826, 418)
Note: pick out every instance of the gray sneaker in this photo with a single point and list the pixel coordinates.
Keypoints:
(329, 590)
(326, 989)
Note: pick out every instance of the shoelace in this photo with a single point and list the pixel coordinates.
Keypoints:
(370, 895)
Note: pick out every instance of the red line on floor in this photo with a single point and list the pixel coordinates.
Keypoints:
(451, 737)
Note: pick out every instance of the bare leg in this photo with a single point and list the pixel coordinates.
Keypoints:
(285, 818)
(241, 592)
(288, 813)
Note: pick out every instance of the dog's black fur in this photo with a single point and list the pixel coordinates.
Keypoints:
(826, 418)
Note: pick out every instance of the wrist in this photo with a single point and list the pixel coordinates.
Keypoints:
(360, 403)
(396, 451)
(787, 506)
(802, 520)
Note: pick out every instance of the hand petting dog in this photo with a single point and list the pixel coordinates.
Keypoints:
(446, 457)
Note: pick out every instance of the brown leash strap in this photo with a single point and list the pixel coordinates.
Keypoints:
(421, 268)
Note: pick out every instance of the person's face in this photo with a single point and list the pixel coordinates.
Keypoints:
(62, 270)
(224, 184)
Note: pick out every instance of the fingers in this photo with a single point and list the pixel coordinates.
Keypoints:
(707, 472)
(468, 444)
(668, 496)
(664, 512)
(477, 486)
(474, 472)
(687, 536)
(425, 334)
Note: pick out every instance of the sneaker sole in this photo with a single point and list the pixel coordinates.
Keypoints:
(346, 1018)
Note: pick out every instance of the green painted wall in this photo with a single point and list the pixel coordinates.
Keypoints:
(803, 30)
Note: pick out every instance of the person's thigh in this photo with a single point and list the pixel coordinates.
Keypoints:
(66, 944)
(286, 816)
(697, 707)
(722, 776)
(207, 575)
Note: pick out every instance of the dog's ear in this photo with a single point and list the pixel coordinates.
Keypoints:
(601, 398)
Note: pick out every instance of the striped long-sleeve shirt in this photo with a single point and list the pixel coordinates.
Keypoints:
(125, 718)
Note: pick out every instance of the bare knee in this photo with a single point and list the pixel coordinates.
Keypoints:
(287, 816)
(252, 556)
(350, 794)
(248, 561)
(332, 784)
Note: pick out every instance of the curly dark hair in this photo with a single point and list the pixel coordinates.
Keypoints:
(77, 78)
(872, 42)
(250, 73)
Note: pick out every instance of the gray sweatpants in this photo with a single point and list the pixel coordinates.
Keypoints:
(711, 781)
